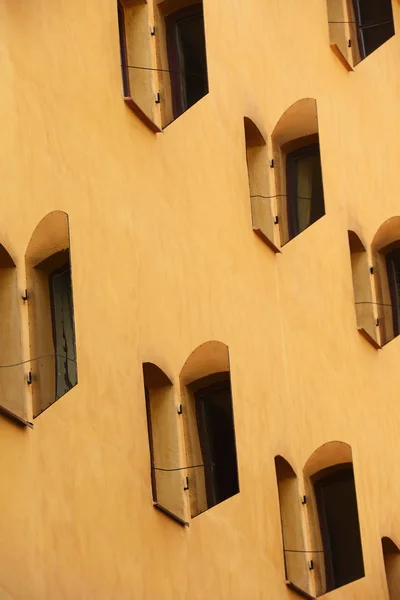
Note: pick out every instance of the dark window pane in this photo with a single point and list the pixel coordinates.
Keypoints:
(217, 439)
(375, 23)
(338, 515)
(304, 188)
(187, 57)
(63, 330)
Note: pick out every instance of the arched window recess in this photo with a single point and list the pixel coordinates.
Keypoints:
(13, 369)
(263, 205)
(365, 306)
(168, 477)
(391, 557)
(297, 169)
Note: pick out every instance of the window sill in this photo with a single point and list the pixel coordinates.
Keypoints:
(14, 417)
(369, 338)
(171, 515)
(266, 239)
(299, 591)
(142, 116)
(337, 52)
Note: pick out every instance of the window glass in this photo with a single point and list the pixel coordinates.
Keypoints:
(375, 23)
(304, 188)
(393, 271)
(340, 530)
(217, 439)
(63, 330)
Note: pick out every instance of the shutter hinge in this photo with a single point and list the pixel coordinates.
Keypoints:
(377, 322)
(152, 31)
(371, 270)
(311, 565)
(179, 409)
(304, 499)
(25, 296)
(186, 487)
(349, 44)
(276, 220)
(158, 98)
(29, 378)
(272, 164)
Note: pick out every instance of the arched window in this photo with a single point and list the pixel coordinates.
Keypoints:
(363, 300)
(298, 173)
(333, 514)
(209, 427)
(295, 556)
(386, 257)
(51, 311)
(391, 557)
(358, 27)
(12, 378)
(262, 205)
(167, 479)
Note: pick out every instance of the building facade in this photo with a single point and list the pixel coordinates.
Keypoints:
(199, 300)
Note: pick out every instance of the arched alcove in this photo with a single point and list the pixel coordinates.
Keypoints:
(391, 557)
(12, 378)
(262, 204)
(51, 311)
(363, 300)
(294, 550)
(333, 516)
(386, 258)
(209, 427)
(167, 480)
(298, 172)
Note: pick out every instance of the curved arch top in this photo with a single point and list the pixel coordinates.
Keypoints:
(50, 236)
(207, 359)
(154, 377)
(388, 233)
(389, 546)
(283, 468)
(355, 242)
(254, 137)
(328, 455)
(299, 120)
(6, 261)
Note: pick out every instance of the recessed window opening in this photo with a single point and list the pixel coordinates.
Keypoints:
(214, 414)
(340, 530)
(305, 194)
(374, 24)
(187, 57)
(51, 312)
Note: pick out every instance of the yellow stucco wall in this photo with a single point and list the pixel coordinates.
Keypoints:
(163, 259)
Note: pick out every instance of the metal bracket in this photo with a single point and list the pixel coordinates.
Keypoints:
(152, 31)
(276, 220)
(311, 565)
(25, 296)
(179, 409)
(158, 98)
(186, 487)
(272, 164)
(304, 499)
(349, 44)
(29, 378)
(377, 322)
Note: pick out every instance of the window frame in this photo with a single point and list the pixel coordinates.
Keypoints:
(360, 26)
(200, 397)
(291, 186)
(336, 473)
(174, 61)
(123, 48)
